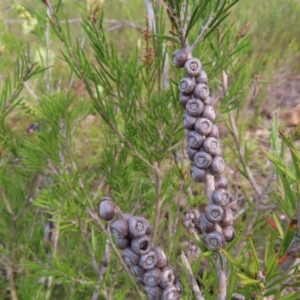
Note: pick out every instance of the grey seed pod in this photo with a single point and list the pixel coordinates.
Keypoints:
(202, 77)
(161, 257)
(122, 243)
(107, 209)
(137, 271)
(212, 146)
(168, 277)
(130, 257)
(214, 131)
(202, 159)
(141, 245)
(119, 228)
(203, 126)
(148, 261)
(217, 166)
(214, 240)
(220, 197)
(208, 113)
(194, 107)
(201, 91)
(193, 67)
(214, 213)
(186, 85)
(227, 218)
(188, 121)
(198, 175)
(191, 152)
(183, 99)
(204, 225)
(170, 293)
(194, 139)
(229, 233)
(221, 182)
(138, 226)
(152, 277)
(179, 58)
(153, 293)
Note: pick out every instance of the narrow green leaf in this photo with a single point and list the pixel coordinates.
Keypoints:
(280, 230)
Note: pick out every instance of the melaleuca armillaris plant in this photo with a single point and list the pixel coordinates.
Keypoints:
(104, 117)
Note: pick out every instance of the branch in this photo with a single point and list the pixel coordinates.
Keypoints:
(191, 278)
(202, 33)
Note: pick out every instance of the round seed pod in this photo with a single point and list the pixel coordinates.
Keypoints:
(208, 113)
(191, 152)
(217, 166)
(214, 213)
(137, 271)
(227, 218)
(202, 77)
(141, 245)
(203, 126)
(153, 293)
(183, 99)
(221, 182)
(194, 139)
(229, 233)
(214, 240)
(107, 208)
(130, 257)
(193, 67)
(204, 225)
(119, 228)
(212, 146)
(170, 293)
(138, 226)
(167, 277)
(202, 159)
(214, 131)
(188, 121)
(198, 175)
(152, 277)
(179, 58)
(161, 257)
(194, 107)
(186, 85)
(148, 261)
(122, 243)
(201, 91)
(220, 197)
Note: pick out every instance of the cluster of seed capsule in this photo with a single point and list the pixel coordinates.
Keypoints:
(149, 264)
(204, 150)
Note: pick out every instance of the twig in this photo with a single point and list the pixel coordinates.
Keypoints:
(158, 202)
(10, 275)
(47, 75)
(191, 278)
(99, 223)
(222, 278)
(202, 33)
(150, 14)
